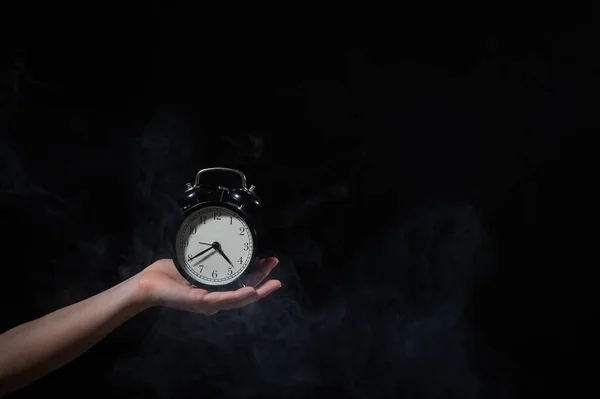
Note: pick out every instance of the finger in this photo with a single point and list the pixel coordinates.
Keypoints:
(267, 288)
(262, 291)
(262, 271)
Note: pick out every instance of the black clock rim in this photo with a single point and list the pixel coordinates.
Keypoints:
(234, 285)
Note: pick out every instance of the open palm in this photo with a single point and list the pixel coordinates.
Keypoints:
(162, 285)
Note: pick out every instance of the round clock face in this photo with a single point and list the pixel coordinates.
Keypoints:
(214, 245)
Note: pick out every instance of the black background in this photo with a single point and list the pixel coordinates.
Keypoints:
(427, 173)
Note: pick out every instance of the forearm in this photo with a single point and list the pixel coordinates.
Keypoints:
(34, 349)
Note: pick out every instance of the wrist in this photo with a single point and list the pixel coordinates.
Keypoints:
(139, 297)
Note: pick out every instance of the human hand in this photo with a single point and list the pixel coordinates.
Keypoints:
(160, 284)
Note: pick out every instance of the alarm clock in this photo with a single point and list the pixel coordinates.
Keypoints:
(215, 244)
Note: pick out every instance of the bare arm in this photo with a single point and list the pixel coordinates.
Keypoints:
(34, 349)
(38, 347)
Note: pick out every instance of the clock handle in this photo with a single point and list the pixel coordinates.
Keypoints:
(221, 170)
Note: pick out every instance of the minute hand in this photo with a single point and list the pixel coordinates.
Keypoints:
(218, 248)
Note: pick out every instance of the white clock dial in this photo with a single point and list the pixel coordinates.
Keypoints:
(215, 245)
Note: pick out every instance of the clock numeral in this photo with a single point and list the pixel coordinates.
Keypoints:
(229, 271)
(214, 274)
(217, 216)
(230, 219)
(186, 243)
(201, 268)
(202, 219)
(240, 260)
(190, 257)
(193, 230)
(242, 231)
(246, 246)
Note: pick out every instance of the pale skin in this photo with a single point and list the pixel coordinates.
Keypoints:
(36, 348)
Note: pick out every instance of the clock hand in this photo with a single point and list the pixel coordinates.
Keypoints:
(203, 252)
(218, 248)
(204, 243)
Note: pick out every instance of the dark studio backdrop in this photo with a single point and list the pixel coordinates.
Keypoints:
(427, 184)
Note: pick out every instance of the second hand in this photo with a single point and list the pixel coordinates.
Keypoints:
(203, 252)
